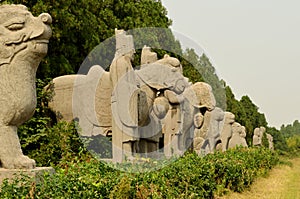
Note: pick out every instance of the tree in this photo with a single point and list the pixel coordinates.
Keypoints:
(79, 26)
(199, 69)
(280, 143)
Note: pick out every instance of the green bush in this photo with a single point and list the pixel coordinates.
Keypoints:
(189, 176)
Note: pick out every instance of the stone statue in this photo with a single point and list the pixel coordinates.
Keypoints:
(147, 56)
(134, 106)
(270, 140)
(199, 133)
(23, 44)
(238, 136)
(257, 137)
(226, 132)
(212, 126)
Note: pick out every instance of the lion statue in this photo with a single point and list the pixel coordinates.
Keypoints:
(23, 43)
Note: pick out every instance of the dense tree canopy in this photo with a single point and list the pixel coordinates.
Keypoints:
(200, 69)
(79, 26)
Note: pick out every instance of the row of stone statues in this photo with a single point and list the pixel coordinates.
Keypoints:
(139, 108)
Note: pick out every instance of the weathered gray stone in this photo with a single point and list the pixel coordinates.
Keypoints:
(23, 44)
(212, 124)
(226, 132)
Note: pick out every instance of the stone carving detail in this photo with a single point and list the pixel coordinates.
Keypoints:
(23, 44)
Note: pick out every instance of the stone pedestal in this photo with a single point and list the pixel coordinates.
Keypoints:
(36, 174)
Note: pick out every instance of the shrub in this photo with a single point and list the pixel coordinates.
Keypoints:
(189, 176)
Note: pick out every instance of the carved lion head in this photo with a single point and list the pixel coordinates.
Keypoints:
(23, 34)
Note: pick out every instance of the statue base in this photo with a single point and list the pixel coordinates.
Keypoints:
(36, 174)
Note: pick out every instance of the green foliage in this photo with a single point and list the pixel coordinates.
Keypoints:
(246, 113)
(290, 136)
(79, 26)
(188, 177)
(199, 69)
(291, 129)
(278, 139)
(265, 141)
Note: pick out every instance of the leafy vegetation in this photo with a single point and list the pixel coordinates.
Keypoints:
(190, 176)
(291, 133)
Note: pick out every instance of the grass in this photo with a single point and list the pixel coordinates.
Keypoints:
(283, 182)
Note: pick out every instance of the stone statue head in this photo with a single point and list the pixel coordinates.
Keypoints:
(124, 44)
(171, 62)
(22, 34)
(236, 128)
(202, 96)
(198, 120)
(148, 56)
(257, 132)
(229, 118)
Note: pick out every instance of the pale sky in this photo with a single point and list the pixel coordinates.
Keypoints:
(254, 46)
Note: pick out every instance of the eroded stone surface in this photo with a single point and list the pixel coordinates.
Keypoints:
(23, 44)
(226, 132)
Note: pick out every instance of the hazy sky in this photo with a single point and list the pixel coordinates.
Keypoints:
(255, 46)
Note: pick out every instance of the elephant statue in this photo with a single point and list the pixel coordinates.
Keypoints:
(134, 106)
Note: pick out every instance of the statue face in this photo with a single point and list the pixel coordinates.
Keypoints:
(20, 32)
(198, 120)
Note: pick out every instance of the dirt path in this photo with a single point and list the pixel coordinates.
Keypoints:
(283, 182)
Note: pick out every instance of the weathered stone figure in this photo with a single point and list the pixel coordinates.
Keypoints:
(199, 134)
(257, 137)
(213, 119)
(226, 132)
(238, 136)
(124, 115)
(270, 140)
(23, 44)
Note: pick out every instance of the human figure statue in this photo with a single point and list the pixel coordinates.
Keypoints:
(199, 134)
(257, 136)
(125, 135)
(270, 140)
(238, 136)
(212, 120)
(226, 132)
(23, 43)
